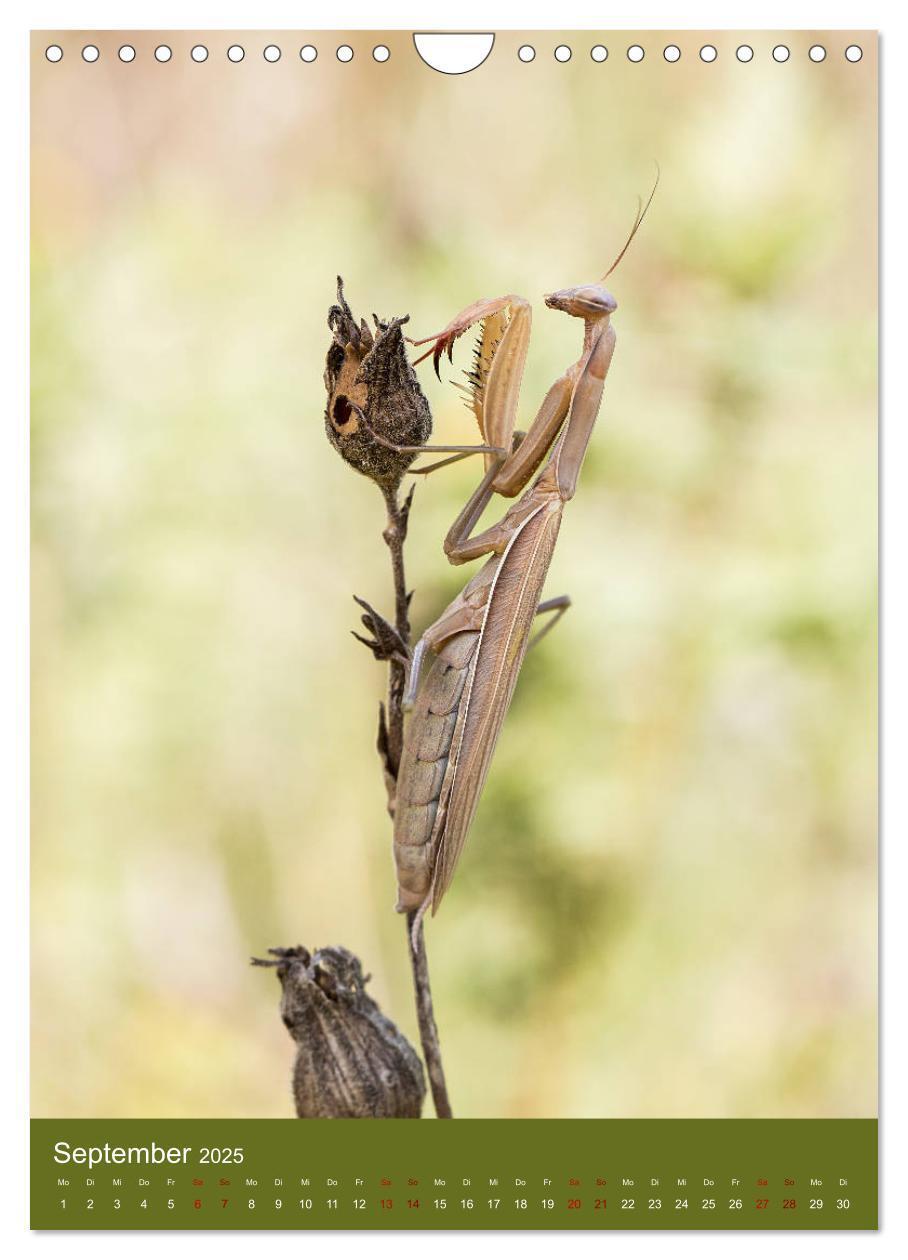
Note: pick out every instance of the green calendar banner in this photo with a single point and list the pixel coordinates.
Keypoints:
(473, 1174)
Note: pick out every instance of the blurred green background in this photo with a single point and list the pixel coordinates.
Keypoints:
(667, 903)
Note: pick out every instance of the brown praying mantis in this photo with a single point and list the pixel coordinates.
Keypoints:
(481, 638)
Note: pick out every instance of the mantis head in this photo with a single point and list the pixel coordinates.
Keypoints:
(586, 301)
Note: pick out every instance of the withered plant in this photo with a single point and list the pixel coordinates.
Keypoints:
(352, 1061)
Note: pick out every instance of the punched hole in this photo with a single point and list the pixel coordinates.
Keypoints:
(271, 53)
(562, 53)
(162, 53)
(236, 53)
(635, 53)
(90, 53)
(744, 53)
(199, 53)
(53, 53)
(345, 53)
(308, 53)
(126, 53)
(526, 52)
(780, 53)
(817, 53)
(599, 52)
(671, 52)
(854, 52)
(381, 52)
(708, 53)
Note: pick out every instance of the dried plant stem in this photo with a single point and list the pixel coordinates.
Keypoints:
(428, 1033)
(395, 534)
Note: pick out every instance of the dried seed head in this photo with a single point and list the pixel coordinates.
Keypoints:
(374, 397)
(351, 1061)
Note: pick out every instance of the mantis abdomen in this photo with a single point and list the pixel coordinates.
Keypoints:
(424, 765)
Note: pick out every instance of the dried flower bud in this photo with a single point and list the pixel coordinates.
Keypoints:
(351, 1061)
(374, 397)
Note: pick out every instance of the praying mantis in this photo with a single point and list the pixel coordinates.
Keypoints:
(481, 638)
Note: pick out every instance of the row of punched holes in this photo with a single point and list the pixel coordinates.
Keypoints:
(526, 53)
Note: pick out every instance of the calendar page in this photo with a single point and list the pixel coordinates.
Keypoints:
(454, 570)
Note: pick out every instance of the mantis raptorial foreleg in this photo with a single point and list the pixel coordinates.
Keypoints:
(499, 360)
(495, 386)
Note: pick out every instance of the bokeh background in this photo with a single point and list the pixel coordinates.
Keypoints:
(667, 904)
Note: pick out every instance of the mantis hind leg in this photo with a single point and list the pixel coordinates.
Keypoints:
(558, 605)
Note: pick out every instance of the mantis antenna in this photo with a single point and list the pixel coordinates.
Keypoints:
(641, 215)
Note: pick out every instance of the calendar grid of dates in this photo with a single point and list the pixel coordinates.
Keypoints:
(480, 1174)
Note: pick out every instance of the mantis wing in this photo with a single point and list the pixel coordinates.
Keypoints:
(502, 645)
